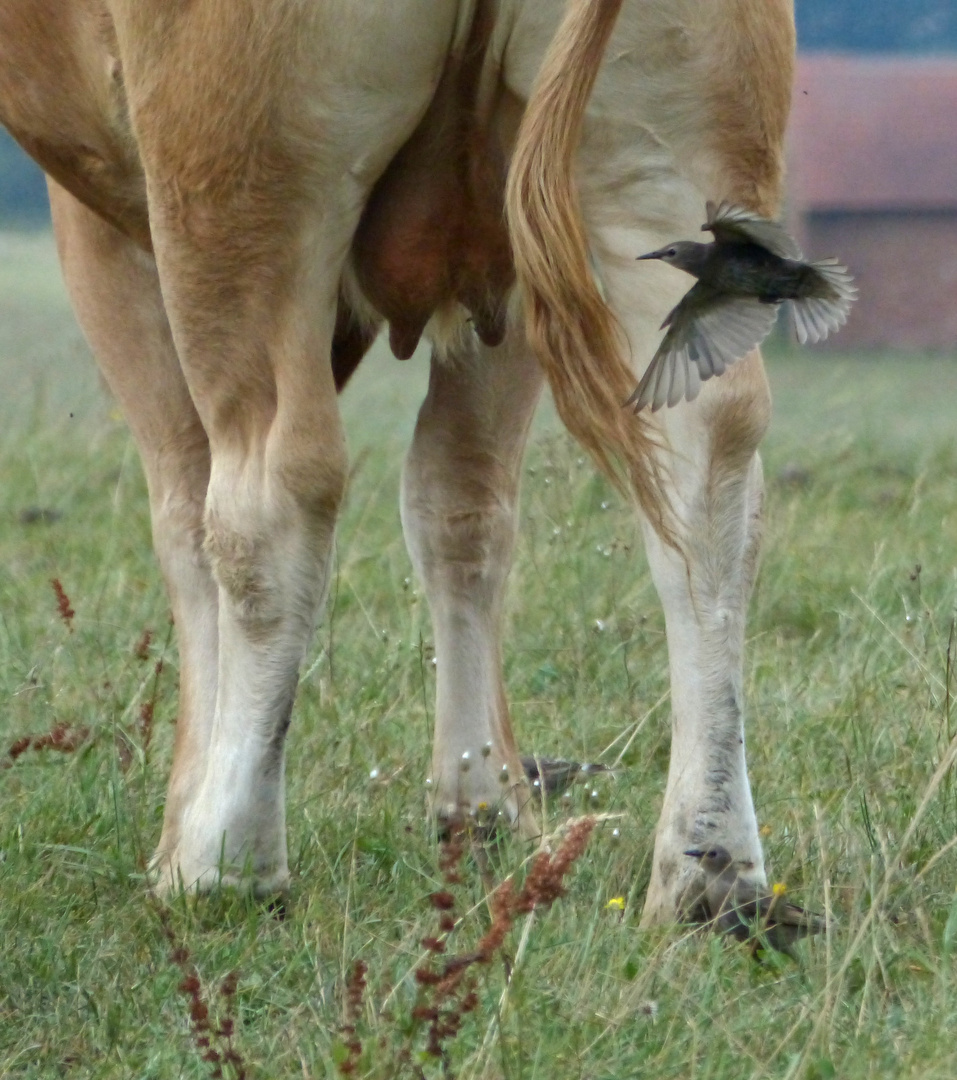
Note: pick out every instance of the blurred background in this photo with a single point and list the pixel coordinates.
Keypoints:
(873, 162)
(23, 194)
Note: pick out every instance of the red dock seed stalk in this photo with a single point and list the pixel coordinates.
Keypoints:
(145, 724)
(352, 1009)
(447, 981)
(142, 648)
(450, 855)
(544, 883)
(447, 986)
(63, 603)
(21, 746)
(214, 1043)
(62, 737)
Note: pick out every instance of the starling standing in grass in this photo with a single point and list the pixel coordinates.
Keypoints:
(555, 775)
(740, 908)
(752, 268)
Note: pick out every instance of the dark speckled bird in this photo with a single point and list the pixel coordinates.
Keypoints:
(751, 269)
(556, 775)
(740, 908)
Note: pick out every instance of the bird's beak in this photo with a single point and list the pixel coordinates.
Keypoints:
(695, 854)
(650, 255)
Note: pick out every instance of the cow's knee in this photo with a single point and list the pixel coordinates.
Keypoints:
(460, 543)
(737, 416)
(269, 523)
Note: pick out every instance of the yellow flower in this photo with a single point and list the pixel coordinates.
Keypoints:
(779, 888)
(765, 830)
(616, 903)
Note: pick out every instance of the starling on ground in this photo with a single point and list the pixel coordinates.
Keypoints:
(750, 270)
(556, 775)
(739, 907)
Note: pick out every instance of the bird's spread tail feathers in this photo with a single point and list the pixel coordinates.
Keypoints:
(816, 316)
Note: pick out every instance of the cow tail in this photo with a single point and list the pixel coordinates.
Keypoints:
(569, 326)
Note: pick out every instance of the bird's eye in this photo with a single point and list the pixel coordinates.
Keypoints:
(671, 252)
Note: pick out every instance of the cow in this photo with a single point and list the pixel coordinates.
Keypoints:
(244, 191)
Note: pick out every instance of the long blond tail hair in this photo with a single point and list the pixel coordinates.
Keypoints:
(569, 326)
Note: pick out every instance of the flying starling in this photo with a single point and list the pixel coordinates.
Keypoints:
(739, 907)
(750, 270)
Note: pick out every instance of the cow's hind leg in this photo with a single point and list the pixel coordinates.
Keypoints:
(114, 288)
(459, 513)
(718, 494)
(715, 486)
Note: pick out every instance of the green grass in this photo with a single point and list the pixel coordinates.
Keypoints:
(849, 717)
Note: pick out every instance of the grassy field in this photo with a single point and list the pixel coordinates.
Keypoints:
(850, 733)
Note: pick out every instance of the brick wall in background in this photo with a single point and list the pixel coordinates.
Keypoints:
(873, 180)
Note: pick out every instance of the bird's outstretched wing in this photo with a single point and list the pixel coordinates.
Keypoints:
(815, 316)
(733, 224)
(707, 331)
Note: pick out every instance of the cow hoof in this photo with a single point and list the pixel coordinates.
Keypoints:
(487, 820)
(169, 876)
(513, 811)
(674, 894)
